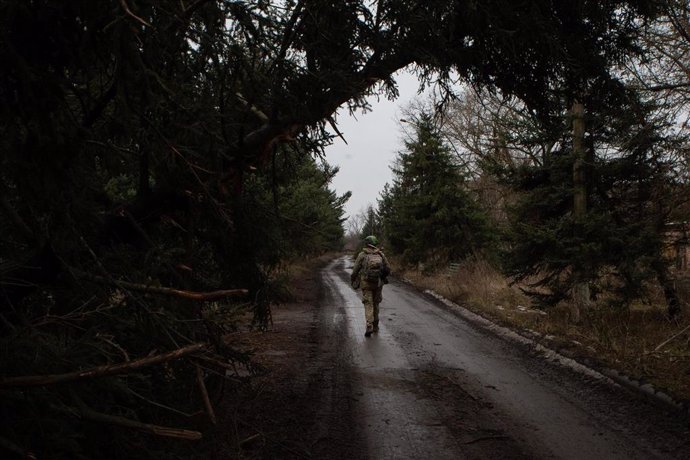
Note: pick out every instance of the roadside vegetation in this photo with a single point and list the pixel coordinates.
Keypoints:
(639, 340)
(571, 222)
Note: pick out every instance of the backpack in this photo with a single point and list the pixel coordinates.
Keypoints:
(373, 267)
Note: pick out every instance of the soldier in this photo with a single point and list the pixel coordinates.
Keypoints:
(370, 273)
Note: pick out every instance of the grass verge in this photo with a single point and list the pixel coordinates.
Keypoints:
(640, 341)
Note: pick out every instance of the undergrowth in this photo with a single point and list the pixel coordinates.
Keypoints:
(639, 340)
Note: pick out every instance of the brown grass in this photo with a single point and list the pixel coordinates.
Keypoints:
(621, 338)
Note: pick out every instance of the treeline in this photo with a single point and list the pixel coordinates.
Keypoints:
(159, 160)
(579, 202)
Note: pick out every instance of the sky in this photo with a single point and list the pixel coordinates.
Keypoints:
(373, 142)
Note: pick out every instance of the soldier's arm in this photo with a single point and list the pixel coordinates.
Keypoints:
(385, 262)
(357, 267)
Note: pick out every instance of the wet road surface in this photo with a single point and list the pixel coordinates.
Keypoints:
(433, 385)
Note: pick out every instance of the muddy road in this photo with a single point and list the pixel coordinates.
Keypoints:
(432, 384)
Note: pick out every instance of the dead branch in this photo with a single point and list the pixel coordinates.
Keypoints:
(193, 295)
(162, 406)
(158, 430)
(670, 339)
(252, 108)
(250, 439)
(100, 371)
(129, 12)
(204, 395)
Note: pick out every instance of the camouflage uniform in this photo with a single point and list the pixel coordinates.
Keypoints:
(371, 292)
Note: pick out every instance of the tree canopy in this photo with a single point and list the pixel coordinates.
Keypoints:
(157, 156)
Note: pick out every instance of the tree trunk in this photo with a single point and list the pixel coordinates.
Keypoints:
(580, 292)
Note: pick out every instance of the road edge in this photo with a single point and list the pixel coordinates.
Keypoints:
(608, 375)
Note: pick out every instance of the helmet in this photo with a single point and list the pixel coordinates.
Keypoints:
(371, 240)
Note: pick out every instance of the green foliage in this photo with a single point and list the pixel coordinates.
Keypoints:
(136, 141)
(373, 224)
(620, 241)
(293, 212)
(428, 214)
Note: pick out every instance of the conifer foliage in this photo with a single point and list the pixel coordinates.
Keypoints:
(155, 169)
(428, 213)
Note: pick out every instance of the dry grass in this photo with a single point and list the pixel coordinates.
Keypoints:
(625, 339)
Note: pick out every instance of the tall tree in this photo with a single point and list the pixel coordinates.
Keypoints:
(131, 136)
(428, 213)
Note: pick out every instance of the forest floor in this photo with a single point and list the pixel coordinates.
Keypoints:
(279, 412)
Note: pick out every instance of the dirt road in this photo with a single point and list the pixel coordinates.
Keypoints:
(432, 385)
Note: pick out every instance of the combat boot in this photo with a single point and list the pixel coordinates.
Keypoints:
(376, 326)
(370, 329)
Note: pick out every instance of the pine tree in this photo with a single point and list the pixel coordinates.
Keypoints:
(428, 213)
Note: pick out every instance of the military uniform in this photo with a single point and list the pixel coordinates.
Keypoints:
(371, 291)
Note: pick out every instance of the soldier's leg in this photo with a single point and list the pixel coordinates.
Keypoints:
(377, 301)
(368, 301)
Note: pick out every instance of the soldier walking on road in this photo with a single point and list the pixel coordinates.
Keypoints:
(370, 273)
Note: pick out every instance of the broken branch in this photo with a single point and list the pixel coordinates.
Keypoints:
(662, 344)
(193, 295)
(204, 395)
(158, 430)
(100, 371)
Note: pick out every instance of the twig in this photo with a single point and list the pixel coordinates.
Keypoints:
(252, 108)
(137, 227)
(204, 395)
(129, 12)
(158, 430)
(658, 347)
(250, 439)
(100, 371)
(162, 406)
(193, 295)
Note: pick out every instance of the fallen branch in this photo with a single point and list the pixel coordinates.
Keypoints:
(670, 339)
(204, 395)
(100, 371)
(193, 295)
(250, 439)
(158, 430)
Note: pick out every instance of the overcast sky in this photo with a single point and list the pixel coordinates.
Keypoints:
(373, 141)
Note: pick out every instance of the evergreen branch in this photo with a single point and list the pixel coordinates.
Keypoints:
(100, 371)
(192, 295)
